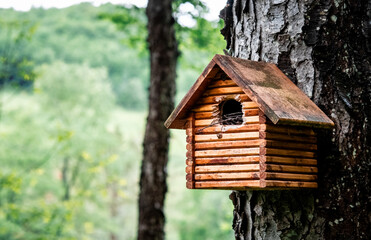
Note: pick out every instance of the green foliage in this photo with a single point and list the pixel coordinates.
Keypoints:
(77, 35)
(60, 156)
(16, 69)
(70, 152)
(131, 20)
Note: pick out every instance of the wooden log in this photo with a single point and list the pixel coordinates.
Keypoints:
(250, 119)
(288, 130)
(220, 98)
(227, 152)
(290, 176)
(190, 184)
(262, 119)
(205, 115)
(191, 152)
(288, 145)
(227, 144)
(227, 176)
(288, 184)
(205, 108)
(223, 90)
(228, 184)
(289, 160)
(226, 168)
(189, 162)
(211, 114)
(228, 160)
(206, 122)
(222, 83)
(287, 152)
(228, 128)
(283, 137)
(289, 168)
(249, 105)
(226, 136)
(251, 112)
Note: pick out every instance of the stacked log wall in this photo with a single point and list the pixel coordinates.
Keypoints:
(255, 154)
(288, 155)
(223, 156)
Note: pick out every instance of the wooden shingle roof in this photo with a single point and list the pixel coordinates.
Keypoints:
(279, 99)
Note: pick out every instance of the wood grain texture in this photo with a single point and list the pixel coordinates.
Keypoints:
(249, 105)
(227, 152)
(223, 90)
(288, 130)
(285, 137)
(290, 184)
(228, 184)
(213, 107)
(228, 129)
(215, 121)
(219, 98)
(289, 160)
(191, 152)
(287, 153)
(254, 184)
(205, 115)
(226, 136)
(289, 168)
(222, 83)
(226, 168)
(288, 145)
(226, 144)
(263, 83)
(227, 176)
(227, 160)
(291, 176)
(279, 98)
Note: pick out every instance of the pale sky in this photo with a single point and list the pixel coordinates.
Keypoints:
(24, 5)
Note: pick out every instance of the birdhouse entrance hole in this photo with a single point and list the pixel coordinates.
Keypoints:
(231, 112)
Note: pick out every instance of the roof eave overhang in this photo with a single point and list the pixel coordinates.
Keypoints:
(177, 119)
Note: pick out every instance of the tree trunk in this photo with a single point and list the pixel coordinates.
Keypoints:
(324, 47)
(163, 57)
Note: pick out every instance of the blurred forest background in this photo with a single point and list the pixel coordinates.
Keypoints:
(73, 102)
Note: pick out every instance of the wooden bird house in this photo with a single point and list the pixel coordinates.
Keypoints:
(248, 126)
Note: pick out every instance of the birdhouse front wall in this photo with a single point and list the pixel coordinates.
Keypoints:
(232, 145)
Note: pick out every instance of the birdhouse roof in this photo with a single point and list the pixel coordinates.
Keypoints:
(264, 83)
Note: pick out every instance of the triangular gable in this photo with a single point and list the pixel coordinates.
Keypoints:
(279, 99)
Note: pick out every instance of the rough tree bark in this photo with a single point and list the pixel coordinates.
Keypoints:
(163, 57)
(324, 47)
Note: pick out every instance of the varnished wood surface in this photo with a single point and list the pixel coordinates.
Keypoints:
(227, 160)
(191, 164)
(228, 129)
(225, 168)
(227, 176)
(226, 136)
(217, 99)
(254, 184)
(236, 156)
(280, 100)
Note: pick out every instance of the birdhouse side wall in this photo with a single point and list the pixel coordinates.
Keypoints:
(255, 154)
(223, 156)
(288, 156)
